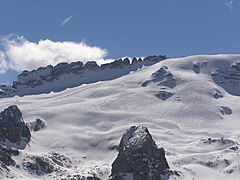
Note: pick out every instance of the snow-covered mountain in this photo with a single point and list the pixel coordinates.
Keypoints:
(190, 105)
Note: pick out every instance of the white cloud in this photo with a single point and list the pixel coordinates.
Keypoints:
(67, 20)
(22, 54)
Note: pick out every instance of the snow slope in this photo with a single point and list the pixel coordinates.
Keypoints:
(188, 112)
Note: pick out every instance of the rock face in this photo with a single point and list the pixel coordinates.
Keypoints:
(228, 78)
(139, 157)
(13, 128)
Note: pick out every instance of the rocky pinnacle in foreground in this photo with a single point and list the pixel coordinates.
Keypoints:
(139, 157)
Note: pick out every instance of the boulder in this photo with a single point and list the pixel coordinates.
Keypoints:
(13, 130)
(139, 157)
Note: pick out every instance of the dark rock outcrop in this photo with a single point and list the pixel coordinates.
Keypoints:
(163, 95)
(6, 159)
(46, 163)
(221, 141)
(217, 94)
(6, 90)
(13, 128)
(225, 110)
(228, 78)
(38, 165)
(196, 67)
(6, 154)
(162, 77)
(139, 157)
(37, 125)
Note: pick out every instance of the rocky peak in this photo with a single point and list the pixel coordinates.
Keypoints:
(13, 130)
(139, 157)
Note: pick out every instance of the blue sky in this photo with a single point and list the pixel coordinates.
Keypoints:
(118, 28)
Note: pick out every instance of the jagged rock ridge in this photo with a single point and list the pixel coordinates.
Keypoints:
(64, 75)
